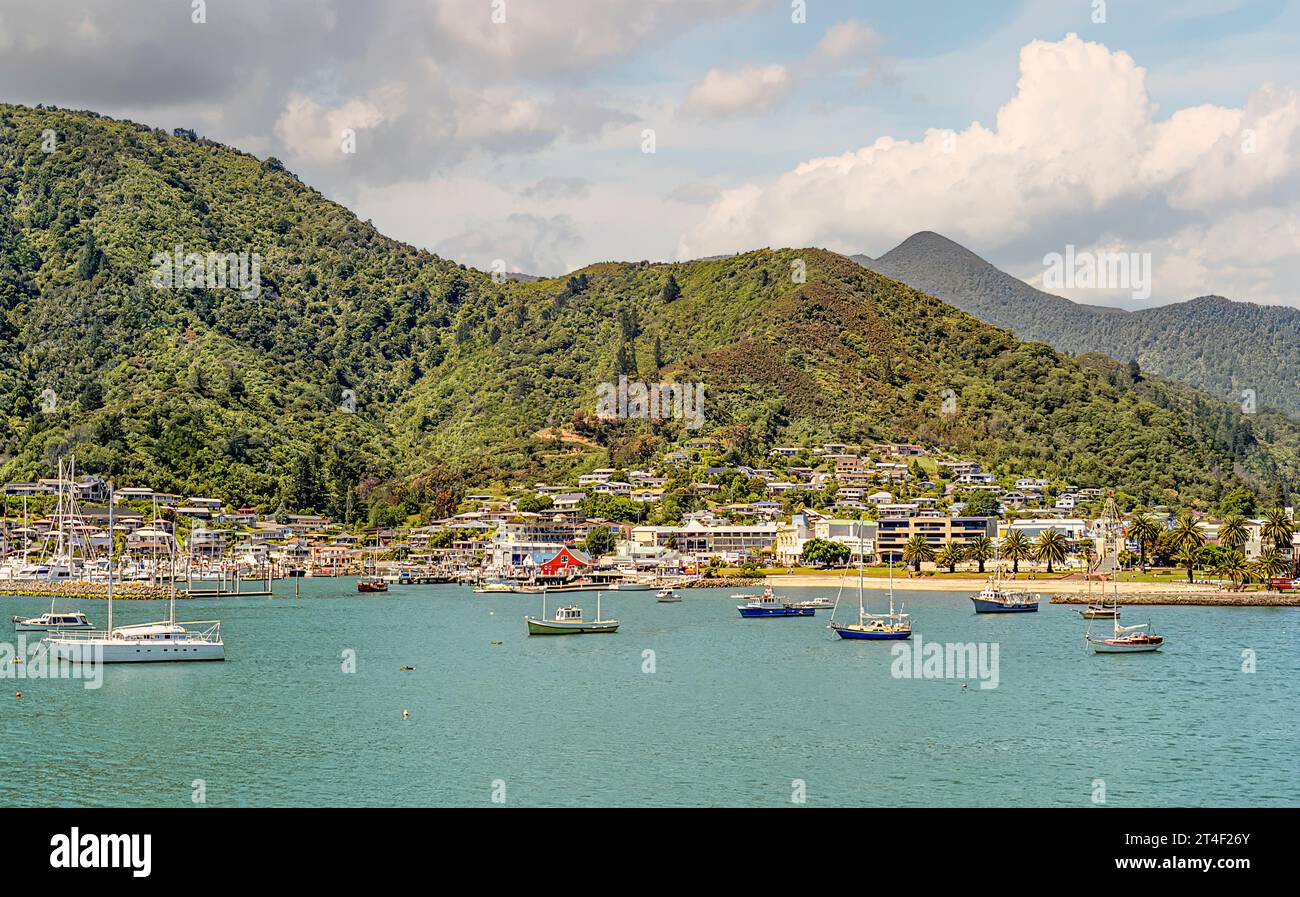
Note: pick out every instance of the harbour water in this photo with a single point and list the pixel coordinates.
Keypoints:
(687, 704)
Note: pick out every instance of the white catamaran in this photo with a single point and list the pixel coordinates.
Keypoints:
(165, 641)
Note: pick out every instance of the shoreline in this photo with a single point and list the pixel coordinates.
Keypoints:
(1061, 591)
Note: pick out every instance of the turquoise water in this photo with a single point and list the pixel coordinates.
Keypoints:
(736, 712)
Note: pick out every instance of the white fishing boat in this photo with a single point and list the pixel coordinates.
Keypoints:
(995, 598)
(666, 595)
(569, 621)
(163, 642)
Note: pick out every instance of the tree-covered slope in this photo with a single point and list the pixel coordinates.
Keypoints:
(1221, 346)
(364, 370)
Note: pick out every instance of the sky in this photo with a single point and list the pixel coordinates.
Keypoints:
(544, 135)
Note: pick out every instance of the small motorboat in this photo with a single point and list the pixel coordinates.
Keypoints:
(667, 596)
(371, 585)
(770, 605)
(54, 621)
(815, 603)
(568, 621)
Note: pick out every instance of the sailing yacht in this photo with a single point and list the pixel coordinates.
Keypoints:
(1128, 640)
(1137, 639)
(873, 627)
(165, 641)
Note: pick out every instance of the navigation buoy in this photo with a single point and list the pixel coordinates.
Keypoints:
(18, 694)
(406, 714)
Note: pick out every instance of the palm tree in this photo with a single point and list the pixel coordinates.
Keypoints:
(1271, 563)
(980, 549)
(1187, 533)
(1278, 528)
(1051, 546)
(1016, 546)
(1188, 556)
(1233, 566)
(1234, 532)
(917, 550)
(950, 556)
(1145, 531)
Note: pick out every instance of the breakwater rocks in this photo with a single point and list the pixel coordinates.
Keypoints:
(725, 582)
(122, 591)
(1194, 599)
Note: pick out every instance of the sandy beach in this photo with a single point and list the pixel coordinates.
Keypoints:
(1063, 591)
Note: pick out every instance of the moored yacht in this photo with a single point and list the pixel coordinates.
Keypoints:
(893, 626)
(1128, 640)
(54, 621)
(165, 641)
(569, 621)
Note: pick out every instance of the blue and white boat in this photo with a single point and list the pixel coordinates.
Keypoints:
(770, 605)
(893, 626)
(996, 600)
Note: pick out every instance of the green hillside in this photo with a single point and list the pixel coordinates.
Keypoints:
(1218, 345)
(365, 370)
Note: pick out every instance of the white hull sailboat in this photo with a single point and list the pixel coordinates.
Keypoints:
(164, 642)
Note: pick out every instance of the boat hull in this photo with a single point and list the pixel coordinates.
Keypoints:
(775, 611)
(20, 626)
(136, 652)
(983, 606)
(870, 635)
(563, 627)
(1112, 646)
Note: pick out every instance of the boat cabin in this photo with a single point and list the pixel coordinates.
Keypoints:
(572, 614)
(55, 619)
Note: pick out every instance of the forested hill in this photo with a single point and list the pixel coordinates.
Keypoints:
(363, 370)
(1221, 346)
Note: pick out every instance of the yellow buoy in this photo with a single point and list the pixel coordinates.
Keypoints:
(406, 714)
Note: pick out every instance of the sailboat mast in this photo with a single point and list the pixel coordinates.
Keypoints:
(171, 578)
(860, 606)
(110, 559)
(891, 585)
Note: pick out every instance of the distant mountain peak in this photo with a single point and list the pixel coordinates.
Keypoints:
(1198, 341)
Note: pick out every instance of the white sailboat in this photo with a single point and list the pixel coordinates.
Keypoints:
(165, 641)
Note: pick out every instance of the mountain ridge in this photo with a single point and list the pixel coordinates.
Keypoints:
(1198, 340)
(363, 372)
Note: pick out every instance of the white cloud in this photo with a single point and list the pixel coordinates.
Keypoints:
(315, 132)
(847, 39)
(1072, 155)
(745, 91)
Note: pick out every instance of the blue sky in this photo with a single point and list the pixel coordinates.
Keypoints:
(519, 141)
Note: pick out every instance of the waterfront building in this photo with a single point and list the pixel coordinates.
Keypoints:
(892, 534)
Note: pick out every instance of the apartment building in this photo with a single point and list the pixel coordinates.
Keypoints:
(892, 534)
